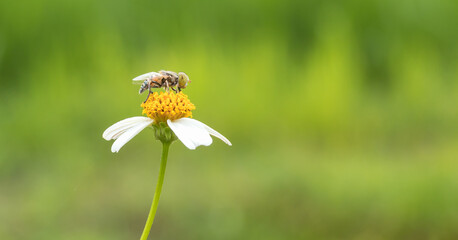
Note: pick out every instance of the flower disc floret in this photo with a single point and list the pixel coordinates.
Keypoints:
(167, 105)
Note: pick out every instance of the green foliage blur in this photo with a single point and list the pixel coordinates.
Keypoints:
(343, 117)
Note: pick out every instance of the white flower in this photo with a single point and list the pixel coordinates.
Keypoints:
(191, 132)
(167, 108)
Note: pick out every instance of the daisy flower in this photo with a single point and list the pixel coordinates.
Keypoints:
(165, 107)
(169, 114)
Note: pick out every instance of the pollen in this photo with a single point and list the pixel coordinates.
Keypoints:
(167, 105)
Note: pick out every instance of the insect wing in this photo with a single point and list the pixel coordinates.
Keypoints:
(145, 76)
(169, 73)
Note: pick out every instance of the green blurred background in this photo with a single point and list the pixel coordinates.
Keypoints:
(343, 118)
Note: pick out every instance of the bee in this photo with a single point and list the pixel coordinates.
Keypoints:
(162, 79)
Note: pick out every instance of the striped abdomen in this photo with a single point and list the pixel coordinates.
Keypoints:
(144, 85)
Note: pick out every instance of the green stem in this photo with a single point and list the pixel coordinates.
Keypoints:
(157, 193)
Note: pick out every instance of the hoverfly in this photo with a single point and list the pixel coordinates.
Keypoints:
(162, 79)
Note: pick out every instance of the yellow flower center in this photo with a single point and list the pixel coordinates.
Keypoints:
(167, 105)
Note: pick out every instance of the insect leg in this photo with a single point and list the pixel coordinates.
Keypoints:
(174, 90)
(149, 92)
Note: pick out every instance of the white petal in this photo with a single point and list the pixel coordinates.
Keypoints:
(210, 130)
(146, 76)
(129, 134)
(190, 134)
(115, 130)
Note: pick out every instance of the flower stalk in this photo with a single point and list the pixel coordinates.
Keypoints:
(157, 193)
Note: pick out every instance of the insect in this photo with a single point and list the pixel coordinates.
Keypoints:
(162, 79)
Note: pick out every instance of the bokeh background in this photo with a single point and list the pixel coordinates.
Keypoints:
(343, 118)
